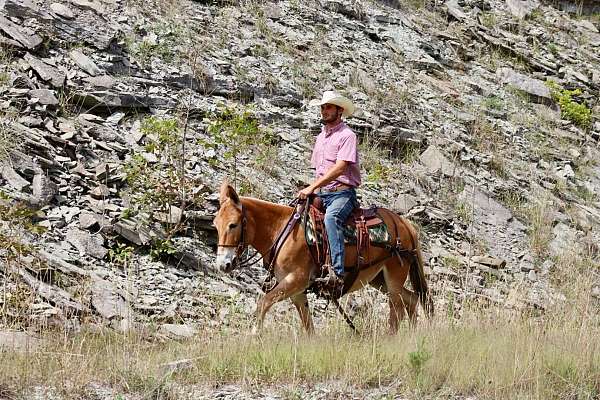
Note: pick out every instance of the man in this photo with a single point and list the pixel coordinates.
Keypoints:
(337, 174)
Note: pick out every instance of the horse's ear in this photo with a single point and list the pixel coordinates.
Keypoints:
(227, 192)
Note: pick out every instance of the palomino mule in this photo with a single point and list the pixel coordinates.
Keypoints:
(243, 221)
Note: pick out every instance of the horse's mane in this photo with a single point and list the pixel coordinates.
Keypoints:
(264, 203)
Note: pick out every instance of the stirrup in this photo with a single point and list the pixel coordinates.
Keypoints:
(331, 280)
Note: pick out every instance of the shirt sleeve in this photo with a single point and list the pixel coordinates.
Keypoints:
(347, 150)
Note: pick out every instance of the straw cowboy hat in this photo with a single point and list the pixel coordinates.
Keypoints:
(333, 97)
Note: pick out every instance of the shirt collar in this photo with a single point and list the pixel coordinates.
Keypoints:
(330, 131)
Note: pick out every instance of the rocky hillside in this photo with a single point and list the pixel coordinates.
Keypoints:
(479, 119)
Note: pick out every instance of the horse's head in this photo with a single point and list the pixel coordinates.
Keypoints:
(230, 223)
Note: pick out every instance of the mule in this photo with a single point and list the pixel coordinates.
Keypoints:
(243, 221)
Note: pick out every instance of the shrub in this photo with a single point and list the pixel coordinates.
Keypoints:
(155, 186)
(235, 132)
(571, 110)
(418, 358)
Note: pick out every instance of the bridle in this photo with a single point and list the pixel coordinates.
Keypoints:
(242, 245)
(299, 206)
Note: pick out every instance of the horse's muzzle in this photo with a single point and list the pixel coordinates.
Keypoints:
(226, 259)
(229, 266)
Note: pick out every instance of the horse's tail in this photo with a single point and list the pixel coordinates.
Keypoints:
(418, 281)
(417, 274)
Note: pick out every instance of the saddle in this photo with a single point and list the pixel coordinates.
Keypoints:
(363, 228)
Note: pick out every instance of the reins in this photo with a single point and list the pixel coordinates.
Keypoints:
(241, 246)
(273, 250)
(345, 315)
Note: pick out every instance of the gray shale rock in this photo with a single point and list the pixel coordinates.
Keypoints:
(436, 163)
(45, 71)
(109, 102)
(455, 10)
(178, 331)
(24, 9)
(86, 243)
(44, 96)
(107, 302)
(13, 179)
(43, 188)
(85, 63)
(23, 37)
(62, 10)
(536, 89)
(522, 8)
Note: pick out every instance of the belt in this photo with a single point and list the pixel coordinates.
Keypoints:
(338, 188)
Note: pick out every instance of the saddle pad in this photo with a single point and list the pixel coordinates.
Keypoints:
(378, 234)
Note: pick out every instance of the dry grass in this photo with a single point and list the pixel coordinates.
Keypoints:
(485, 136)
(539, 213)
(487, 357)
(6, 57)
(489, 354)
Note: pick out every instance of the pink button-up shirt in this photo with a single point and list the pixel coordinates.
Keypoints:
(337, 143)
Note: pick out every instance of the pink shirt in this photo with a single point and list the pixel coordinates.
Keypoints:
(337, 143)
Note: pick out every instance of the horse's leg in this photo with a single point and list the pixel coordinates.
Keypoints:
(301, 303)
(410, 300)
(379, 282)
(395, 273)
(291, 285)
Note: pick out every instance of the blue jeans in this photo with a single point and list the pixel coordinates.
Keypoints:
(338, 207)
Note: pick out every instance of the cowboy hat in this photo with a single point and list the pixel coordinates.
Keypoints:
(333, 97)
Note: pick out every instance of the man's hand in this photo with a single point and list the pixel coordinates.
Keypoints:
(304, 193)
(333, 172)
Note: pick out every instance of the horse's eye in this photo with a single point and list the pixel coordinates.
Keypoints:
(232, 226)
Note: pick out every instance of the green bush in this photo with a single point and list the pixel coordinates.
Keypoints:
(155, 186)
(162, 248)
(575, 112)
(418, 358)
(120, 254)
(235, 132)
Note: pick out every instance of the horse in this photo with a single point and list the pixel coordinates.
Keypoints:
(243, 221)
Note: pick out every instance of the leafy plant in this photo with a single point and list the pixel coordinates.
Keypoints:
(235, 132)
(22, 215)
(164, 47)
(5, 58)
(379, 172)
(452, 262)
(120, 254)
(162, 248)
(464, 212)
(493, 103)
(10, 140)
(156, 186)
(575, 112)
(489, 20)
(418, 358)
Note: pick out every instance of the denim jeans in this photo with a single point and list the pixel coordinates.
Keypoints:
(338, 207)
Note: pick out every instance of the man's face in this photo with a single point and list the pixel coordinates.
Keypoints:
(330, 113)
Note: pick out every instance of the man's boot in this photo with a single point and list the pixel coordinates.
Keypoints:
(332, 281)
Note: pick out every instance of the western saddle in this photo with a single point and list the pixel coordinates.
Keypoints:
(356, 231)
